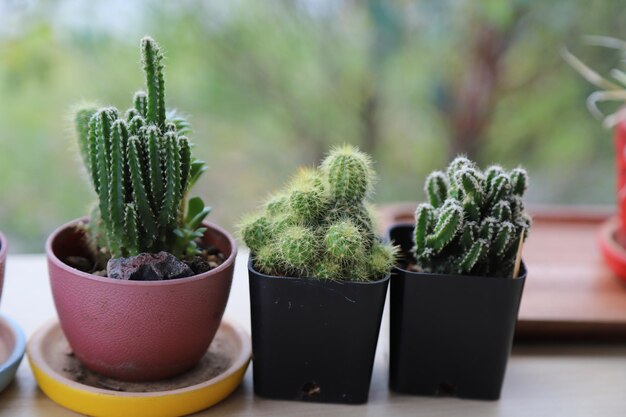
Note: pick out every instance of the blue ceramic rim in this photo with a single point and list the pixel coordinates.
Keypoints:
(20, 344)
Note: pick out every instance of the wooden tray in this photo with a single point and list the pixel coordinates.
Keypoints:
(570, 294)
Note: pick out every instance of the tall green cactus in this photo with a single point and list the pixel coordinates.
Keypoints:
(473, 220)
(141, 168)
(320, 225)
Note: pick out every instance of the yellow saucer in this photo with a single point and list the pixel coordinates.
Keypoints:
(58, 374)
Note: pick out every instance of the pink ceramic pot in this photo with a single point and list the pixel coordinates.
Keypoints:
(138, 330)
(4, 247)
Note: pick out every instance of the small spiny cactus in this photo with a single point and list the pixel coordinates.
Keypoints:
(320, 226)
(473, 220)
(141, 168)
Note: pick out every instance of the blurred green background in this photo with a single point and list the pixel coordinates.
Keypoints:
(271, 85)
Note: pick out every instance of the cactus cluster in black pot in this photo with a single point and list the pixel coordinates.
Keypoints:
(455, 294)
(318, 272)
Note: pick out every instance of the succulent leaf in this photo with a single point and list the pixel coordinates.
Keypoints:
(502, 211)
(423, 221)
(256, 232)
(503, 238)
(343, 241)
(350, 174)
(131, 246)
(152, 58)
(297, 247)
(81, 121)
(436, 188)
(476, 252)
(446, 227)
(140, 103)
(116, 179)
(382, 259)
(519, 181)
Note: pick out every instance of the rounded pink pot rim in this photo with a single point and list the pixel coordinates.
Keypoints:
(4, 247)
(170, 282)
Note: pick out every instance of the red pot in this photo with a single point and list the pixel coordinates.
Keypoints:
(612, 236)
(4, 247)
(620, 165)
(138, 330)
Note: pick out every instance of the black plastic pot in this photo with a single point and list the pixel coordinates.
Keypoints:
(314, 340)
(450, 335)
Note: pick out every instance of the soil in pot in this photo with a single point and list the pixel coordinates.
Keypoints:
(143, 267)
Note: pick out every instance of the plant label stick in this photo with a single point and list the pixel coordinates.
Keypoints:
(518, 258)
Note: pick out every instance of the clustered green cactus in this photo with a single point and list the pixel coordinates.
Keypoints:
(320, 226)
(141, 168)
(473, 222)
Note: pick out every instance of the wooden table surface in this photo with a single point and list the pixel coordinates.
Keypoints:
(541, 380)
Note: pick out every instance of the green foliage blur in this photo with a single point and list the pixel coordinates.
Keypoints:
(271, 84)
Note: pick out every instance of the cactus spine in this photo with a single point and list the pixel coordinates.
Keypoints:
(320, 225)
(472, 221)
(141, 168)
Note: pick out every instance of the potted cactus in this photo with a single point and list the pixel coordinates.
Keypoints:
(318, 281)
(612, 237)
(456, 292)
(140, 287)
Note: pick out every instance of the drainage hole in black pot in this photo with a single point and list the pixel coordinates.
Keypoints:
(311, 390)
(446, 389)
